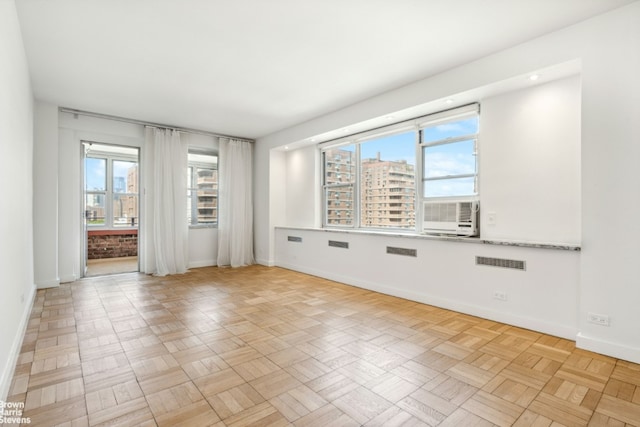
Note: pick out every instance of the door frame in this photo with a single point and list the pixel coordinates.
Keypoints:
(83, 199)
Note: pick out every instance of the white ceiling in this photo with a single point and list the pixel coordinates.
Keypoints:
(252, 67)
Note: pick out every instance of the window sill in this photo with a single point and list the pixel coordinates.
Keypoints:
(462, 239)
(111, 231)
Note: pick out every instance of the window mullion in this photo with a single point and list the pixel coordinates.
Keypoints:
(419, 183)
(357, 208)
(108, 203)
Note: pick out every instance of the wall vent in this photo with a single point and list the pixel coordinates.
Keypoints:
(337, 244)
(402, 251)
(294, 239)
(500, 262)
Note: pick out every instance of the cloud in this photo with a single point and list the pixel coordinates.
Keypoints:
(442, 164)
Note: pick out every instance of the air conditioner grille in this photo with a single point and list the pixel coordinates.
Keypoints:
(440, 212)
(465, 212)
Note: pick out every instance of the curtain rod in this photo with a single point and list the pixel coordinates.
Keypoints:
(151, 124)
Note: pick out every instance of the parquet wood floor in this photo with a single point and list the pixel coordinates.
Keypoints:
(268, 346)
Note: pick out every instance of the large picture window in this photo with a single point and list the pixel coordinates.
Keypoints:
(387, 184)
(378, 179)
(371, 183)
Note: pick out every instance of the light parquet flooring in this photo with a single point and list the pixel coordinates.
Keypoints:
(268, 346)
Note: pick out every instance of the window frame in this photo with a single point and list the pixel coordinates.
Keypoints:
(356, 141)
(417, 125)
(192, 188)
(448, 141)
(109, 193)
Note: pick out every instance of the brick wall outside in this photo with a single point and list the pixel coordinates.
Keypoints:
(100, 245)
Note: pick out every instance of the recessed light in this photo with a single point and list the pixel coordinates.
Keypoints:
(286, 147)
(449, 101)
(534, 77)
(389, 118)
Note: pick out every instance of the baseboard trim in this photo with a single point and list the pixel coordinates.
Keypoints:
(562, 331)
(608, 348)
(200, 264)
(53, 283)
(14, 353)
(266, 263)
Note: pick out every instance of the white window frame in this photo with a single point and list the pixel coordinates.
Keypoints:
(444, 118)
(192, 188)
(417, 124)
(356, 141)
(109, 192)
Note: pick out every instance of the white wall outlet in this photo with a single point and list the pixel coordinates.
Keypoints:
(598, 319)
(499, 295)
(492, 218)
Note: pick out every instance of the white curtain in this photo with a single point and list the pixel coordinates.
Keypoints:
(169, 216)
(235, 211)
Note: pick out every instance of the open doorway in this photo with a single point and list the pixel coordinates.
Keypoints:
(111, 208)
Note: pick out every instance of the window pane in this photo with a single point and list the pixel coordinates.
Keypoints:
(125, 210)
(202, 196)
(94, 214)
(95, 174)
(456, 158)
(387, 184)
(454, 129)
(125, 177)
(340, 165)
(340, 205)
(449, 187)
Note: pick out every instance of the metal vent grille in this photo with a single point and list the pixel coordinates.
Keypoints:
(294, 239)
(402, 251)
(500, 262)
(337, 244)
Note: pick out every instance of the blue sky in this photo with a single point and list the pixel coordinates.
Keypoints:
(95, 172)
(396, 147)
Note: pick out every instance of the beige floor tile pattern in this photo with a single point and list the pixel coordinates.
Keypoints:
(267, 346)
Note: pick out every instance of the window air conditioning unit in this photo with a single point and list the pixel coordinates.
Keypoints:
(451, 217)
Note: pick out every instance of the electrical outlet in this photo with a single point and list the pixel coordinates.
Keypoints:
(598, 319)
(502, 296)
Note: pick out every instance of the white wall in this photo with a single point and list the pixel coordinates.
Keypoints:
(529, 164)
(444, 274)
(610, 99)
(302, 188)
(610, 196)
(16, 204)
(45, 202)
